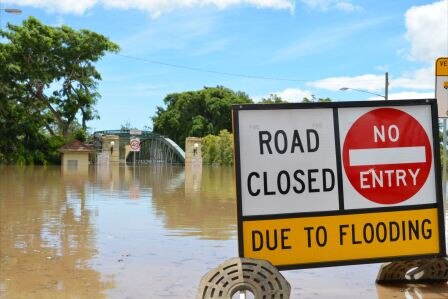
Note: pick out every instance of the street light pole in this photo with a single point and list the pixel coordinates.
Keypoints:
(386, 89)
(362, 90)
(14, 11)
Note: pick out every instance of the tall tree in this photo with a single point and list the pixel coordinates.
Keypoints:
(197, 113)
(50, 72)
(47, 79)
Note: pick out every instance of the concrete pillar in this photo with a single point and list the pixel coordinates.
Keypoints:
(127, 150)
(193, 152)
(111, 146)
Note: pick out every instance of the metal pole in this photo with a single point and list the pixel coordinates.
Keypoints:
(444, 161)
(134, 158)
(386, 87)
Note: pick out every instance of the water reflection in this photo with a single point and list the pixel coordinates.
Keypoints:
(139, 232)
(66, 234)
(191, 201)
(203, 206)
(47, 236)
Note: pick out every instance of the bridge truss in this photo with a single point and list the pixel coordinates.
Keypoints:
(154, 148)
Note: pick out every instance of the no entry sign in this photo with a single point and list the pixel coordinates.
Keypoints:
(135, 144)
(387, 155)
(326, 184)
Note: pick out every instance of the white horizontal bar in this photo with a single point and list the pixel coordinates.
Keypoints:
(387, 155)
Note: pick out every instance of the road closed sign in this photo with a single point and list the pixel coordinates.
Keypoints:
(326, 184)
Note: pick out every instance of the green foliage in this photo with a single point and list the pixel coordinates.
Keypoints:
(197, 113)
(272, 99)
(21, 139)
(80, 135)
(314, 99)
(47, 78)
(441, 147)
(276, 99)
(127, 126)
(210, 149)
(218, 149)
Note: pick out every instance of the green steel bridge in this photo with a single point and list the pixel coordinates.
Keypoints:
(154, 148)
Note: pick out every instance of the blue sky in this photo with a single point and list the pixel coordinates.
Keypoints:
(305, 46)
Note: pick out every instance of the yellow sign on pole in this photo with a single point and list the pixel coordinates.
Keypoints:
(442, 86)
(442, 66)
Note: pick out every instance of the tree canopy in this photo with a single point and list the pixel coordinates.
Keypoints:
(197, 113)
(204, 112)
(47, 79)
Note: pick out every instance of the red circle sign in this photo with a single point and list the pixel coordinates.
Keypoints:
(387, 155)
(135, 144)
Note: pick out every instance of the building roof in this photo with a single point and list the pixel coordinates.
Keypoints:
(77, 146)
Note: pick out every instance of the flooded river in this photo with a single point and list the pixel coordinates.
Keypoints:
(144, 232)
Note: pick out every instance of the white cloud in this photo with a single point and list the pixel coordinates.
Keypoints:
(368, 82)
(77, 7)
(411, 95)
(344, 5)
(427, 31)
(154, 7)
(289, 95)
(406, 95)
(348, 6)
(158, 7)
(421, 79)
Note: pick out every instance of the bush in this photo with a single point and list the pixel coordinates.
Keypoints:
(218, 149)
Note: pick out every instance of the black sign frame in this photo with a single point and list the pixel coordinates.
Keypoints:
(335, 106)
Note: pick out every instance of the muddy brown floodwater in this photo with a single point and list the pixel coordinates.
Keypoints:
(144, 232)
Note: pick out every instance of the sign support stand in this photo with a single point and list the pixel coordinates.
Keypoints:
(415, 271)
(135, 145)
(241, 276)
(133, 167)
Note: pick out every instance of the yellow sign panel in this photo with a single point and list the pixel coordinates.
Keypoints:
(342, 238)
(442, 66)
